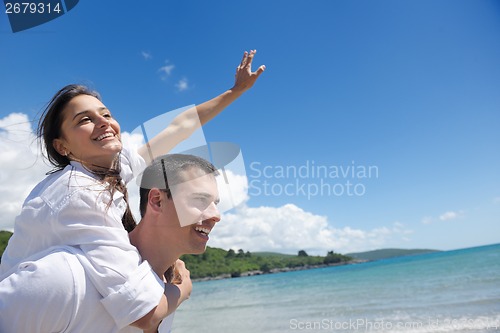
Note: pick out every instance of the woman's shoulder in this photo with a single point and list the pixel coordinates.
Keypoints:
(74, 176)
(57, 187)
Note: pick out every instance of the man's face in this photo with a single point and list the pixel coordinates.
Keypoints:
(192, 210)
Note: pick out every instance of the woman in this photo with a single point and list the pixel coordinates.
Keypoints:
(83, 203)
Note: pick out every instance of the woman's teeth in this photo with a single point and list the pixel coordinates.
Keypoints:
(103, 136)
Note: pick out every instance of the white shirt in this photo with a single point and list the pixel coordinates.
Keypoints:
(57, 278)
(71, 207)
(52, 293)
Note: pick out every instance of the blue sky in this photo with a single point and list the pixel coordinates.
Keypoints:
(408, 87)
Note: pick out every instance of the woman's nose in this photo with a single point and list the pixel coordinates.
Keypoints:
(102, 122)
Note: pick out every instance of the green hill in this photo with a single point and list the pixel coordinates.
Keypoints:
(4, 239)
(272, 254)
(221, 263)
(388, 253)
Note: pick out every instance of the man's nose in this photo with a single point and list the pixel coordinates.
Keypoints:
(212, 213)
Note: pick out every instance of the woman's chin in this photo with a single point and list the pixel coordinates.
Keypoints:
(114, 147)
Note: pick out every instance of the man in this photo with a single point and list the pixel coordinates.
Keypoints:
(178, 204)
(179, 199)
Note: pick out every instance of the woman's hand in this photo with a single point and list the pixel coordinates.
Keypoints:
(182, 278)
(244, 78)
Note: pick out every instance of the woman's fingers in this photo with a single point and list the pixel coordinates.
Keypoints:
(244, 60)
(250, 59)
(261, 69)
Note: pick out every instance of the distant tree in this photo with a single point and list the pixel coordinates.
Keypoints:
(236, 273)
(241, 253)
(332, 259)
(265, 267)
(230, 254)
(302, 253)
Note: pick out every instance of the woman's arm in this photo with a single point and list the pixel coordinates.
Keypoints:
(174, 295)
(244, 80)
(187, 122)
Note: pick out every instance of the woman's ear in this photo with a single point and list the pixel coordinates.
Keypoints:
(155, 200)
(60, 147)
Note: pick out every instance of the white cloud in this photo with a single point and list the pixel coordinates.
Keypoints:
(182, 84)
(22, 167)
(166, 70)
(446, 216)
(146, 55)
(133, 141)
(289, 228)
(427, 220)
(133, 199)
(232, 193)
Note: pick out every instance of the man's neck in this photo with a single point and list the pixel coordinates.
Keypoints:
(151, 250)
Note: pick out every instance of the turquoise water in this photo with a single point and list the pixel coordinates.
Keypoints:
(453, 291)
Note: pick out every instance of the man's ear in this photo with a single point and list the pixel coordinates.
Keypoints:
(155, 200)
(60, 147)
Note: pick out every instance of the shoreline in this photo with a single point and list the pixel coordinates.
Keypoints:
(277, 270)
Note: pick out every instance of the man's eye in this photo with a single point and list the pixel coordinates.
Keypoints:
(203, 200)
(107, 115)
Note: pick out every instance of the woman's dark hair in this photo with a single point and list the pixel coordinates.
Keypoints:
(49, 129)
(49, 125)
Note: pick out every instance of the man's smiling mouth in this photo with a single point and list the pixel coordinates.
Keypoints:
(202, 230)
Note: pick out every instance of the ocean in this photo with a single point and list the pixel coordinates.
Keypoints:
(452, 291)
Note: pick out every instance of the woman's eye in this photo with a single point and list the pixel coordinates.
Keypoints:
(83, 120)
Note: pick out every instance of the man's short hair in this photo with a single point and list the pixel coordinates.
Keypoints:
(164, 172)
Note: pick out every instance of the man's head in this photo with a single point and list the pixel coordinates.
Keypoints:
(179, 192)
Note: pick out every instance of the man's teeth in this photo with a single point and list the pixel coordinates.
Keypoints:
(103, 136)
(206, 231)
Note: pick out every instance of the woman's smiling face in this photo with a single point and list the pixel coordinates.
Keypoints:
(90, 135)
